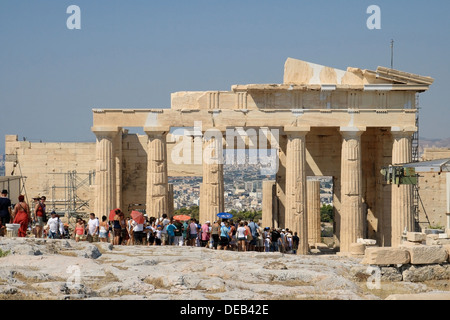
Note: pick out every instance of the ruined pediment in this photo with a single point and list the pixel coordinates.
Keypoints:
(298, 72)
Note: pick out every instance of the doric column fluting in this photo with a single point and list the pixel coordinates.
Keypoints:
(352, 220)
(105, 172)
(313, 205)
(212, 190)
(295, 214)
(402, 195)
(157, 200)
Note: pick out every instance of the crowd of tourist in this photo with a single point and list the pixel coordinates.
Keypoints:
(222, 234)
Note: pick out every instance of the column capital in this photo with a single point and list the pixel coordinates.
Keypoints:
(349, 132)
(296, 131)
(155, 131)
(105, 131)
(399, 132)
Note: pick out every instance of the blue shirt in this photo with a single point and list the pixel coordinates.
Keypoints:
(224, 231)
(252, 227)
(171, 230)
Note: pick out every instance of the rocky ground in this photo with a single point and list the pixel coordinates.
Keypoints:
(64, 269)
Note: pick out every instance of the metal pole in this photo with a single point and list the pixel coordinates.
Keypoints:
(392, 54)
(448, 202)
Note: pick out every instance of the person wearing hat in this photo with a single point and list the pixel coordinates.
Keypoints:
(5, 211)
(54, 226)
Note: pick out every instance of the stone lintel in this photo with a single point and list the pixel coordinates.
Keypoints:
(156, 130)
(105, 131)
(297, 131)
(352, 131)
(403, 131)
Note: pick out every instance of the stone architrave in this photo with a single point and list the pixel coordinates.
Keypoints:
(212, 190)
(105, 191)
(295, 214)
(157, 201)
(313, 202)
(402, 195)
(352, 223)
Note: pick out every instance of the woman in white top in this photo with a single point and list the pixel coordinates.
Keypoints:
(104, 230)
(241, 237)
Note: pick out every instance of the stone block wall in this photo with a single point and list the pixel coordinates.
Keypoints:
(432, 189)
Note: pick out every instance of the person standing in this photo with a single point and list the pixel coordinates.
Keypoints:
(254, 235)
(260, 236)
(93, 227)
(192, 233)
(104, 230)
(130, 230)
(158, 235)
(178, 233)
(232, 235)
(116, 228)
(295, 242)
(163, 222)
(224, 236)
(22, 216)
(54, 226)
(241, 237)
(170, 228)
(215, 234)
(185, 233)
(274, 236)
(248, 237)
(206, 234)
(138, 232)
(124, 236)
(40, 216)
(79, 230)
(5, 211)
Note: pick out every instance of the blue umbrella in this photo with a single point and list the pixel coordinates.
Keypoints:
(225, 215)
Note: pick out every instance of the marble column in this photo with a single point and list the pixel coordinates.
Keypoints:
(352, 221)
(295, 212)
(212, 189)
(157, 202)
(313, 205)
(268, 203)
(105, 172)
(402, 216)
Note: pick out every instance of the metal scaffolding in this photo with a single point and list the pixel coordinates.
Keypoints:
(71, 204)
(415, 159)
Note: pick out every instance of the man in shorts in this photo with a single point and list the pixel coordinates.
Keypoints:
(93, 228)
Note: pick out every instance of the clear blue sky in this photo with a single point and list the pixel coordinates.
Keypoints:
(134, 54)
